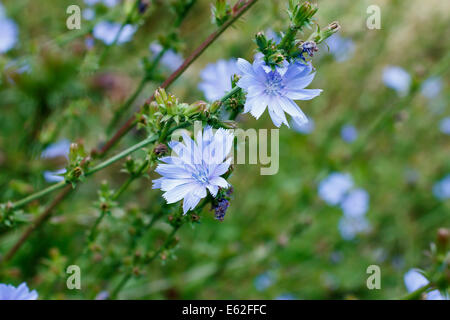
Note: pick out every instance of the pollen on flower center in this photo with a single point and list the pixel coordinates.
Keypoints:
(274, 83)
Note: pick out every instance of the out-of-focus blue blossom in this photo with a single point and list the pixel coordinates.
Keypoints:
(276, 89)
(431, 88)
(170, 59)
(54, 176)
(398, 79)
(349, 133)
(216, 78)
(106, 31)
(355, 203)
(102, 295)
(198, 167)
(333, 188)
(9, 33)
(414, 280)
(349, 227)
(305, 128)
(9, 292)
(264, 281)
(272, 35)
(341, 48)
(58, 149)
(286, 296)
(88, 14)
(91, 2)
(444, 126)
(108, 3)
(441, 189)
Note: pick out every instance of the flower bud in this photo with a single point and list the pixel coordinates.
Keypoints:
(160, 150)
(215, 106)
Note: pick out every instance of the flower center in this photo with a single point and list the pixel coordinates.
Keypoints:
(274, 83)
(200, 174)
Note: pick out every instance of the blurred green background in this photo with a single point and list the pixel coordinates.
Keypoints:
(278, 237)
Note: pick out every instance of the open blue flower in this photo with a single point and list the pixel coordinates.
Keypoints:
(196, 168)
(397, 78)
(170, 59)
(415, 280)
(333, 188)
(217, 79)
(107, 31)
(276, 89)
(9, 292)
(9, 33)
(355, 203)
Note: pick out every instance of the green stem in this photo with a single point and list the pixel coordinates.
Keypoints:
(39, 194)
(122, 155)
(416, 294)
(128, 275)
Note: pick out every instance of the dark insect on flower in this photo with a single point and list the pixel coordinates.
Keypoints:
(220, 209)
(161, 149)
(310, 47)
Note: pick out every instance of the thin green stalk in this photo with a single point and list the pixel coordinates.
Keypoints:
(39, 194)
(416, 294)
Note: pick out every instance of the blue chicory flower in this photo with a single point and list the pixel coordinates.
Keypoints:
(264, 281)
(341, 48)
(349, 227)
(171, 60)
(398, 79)
(431, 87)
(197, 167)
(276, 89)
(415, 280)
(88, 14)
(106, 31)
(216, 78)
(9, 292)
(305, 128)
(441, 189)
(57, 149)
(333, 188)
(349, 133)
(9, 33)
(356, 203)
(444, 125)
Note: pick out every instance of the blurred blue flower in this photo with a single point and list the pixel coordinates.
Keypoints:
(9, 33)
(276, 90)
(88, 14)
(415, 280)
(431, 88)
(171, 60)
(341, 48)
(355, 203)
(217, 79)
(349, 133)
(198, 167)
(349, 227)
(264, 281)
(57, 149)
(102, 295)
(441, 189)
(9, 292)
(54, 176)
(333, 188)
(108, 3)
(286, 296)
(272, 35)
(398, 79)
(106, 31)
(305, 128)
(444, 126)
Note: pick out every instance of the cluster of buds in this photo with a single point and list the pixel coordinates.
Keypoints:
(220, 12)
(78, 163)
(221, 203)
(301, 14)
(273, 56)
(9, 216)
